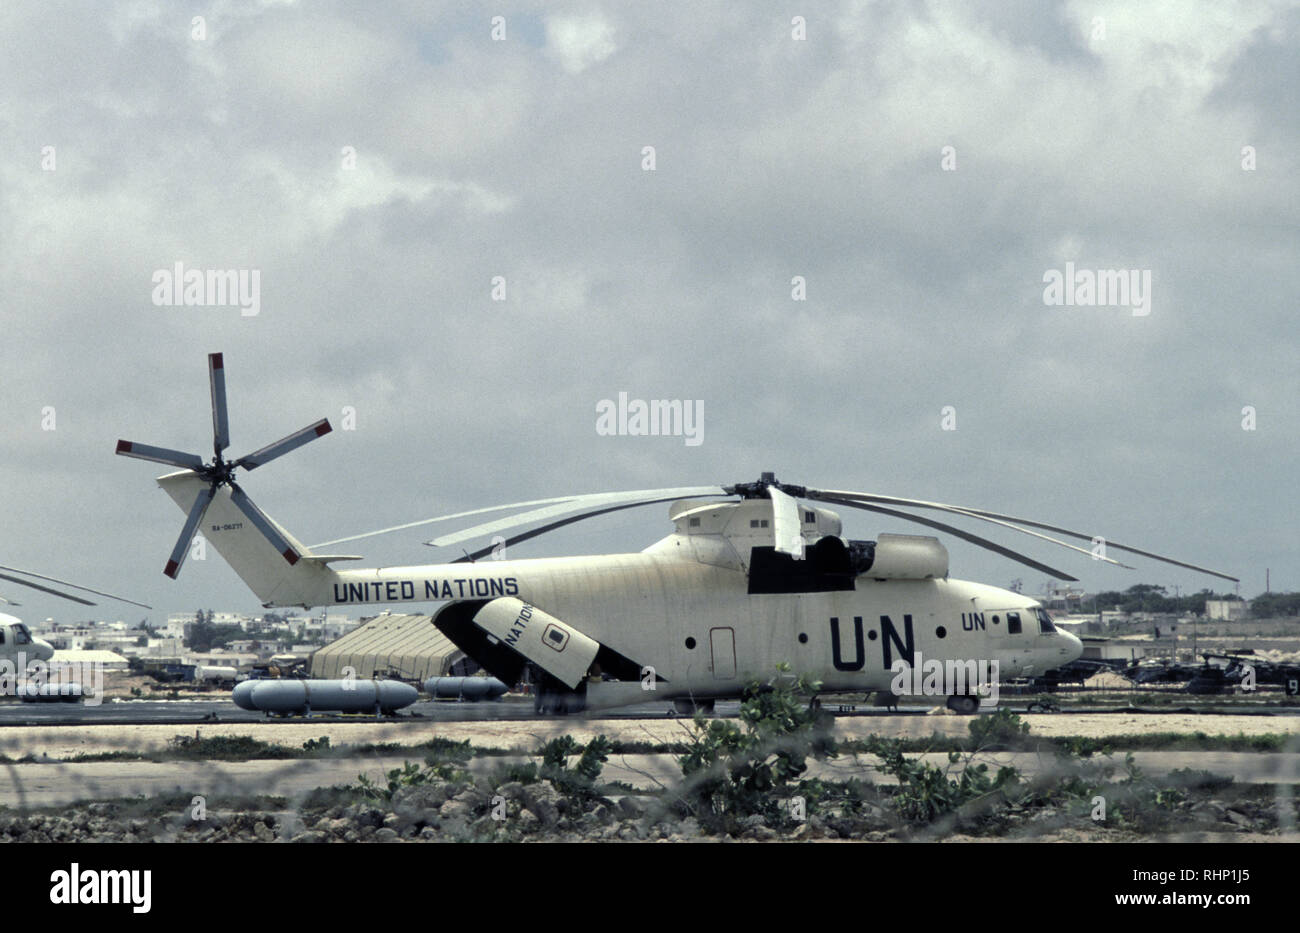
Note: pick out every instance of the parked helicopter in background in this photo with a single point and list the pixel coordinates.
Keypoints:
(18, 646)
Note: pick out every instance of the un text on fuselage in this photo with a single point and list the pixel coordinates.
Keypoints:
(395, 591)
(913, 674)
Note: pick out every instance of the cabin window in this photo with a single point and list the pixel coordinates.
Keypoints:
(1013, 623)
(2, 636)
(810, 517)
(758, 523)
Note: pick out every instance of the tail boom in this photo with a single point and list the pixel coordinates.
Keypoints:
(273, 579)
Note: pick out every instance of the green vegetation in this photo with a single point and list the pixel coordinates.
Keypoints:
(733, 772)
(1147, 597)
(926, 792)
(225, 748)
(576, 782)
(444, 764)
(1275, 605)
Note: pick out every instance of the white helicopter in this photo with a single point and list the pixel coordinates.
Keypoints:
(18, 646)
(738, 587)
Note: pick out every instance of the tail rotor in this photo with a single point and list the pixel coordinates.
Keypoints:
(221, 472)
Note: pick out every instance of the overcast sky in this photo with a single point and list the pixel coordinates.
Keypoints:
(378, 166)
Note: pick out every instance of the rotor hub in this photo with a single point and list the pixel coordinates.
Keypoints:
(758, 490)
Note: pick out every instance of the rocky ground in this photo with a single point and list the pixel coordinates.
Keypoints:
(516, 812)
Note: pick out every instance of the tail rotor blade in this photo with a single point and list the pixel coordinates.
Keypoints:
(201, 503)
(217, 383)
(160, 455)
(281, 447)
(263, 524)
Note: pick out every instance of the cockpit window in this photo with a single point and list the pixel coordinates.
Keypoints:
(21, 635)
(1013, 623)
(1045, 625)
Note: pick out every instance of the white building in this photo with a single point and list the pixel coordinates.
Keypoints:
(1226, 610)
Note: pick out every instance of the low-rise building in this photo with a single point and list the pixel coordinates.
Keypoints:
(1226, 610)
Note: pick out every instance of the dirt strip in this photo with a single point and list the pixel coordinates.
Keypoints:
(61, 742)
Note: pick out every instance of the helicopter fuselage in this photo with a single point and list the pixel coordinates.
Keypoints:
(701, 633)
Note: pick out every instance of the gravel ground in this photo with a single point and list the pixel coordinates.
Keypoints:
(65, 741)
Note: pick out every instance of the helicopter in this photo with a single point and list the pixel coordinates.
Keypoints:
(18, 646)
(757, 576)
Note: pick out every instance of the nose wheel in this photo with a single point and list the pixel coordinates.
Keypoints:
(964, 705)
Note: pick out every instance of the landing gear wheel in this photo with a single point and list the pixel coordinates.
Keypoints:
(547, 703)
(964, 705)
(686, 706)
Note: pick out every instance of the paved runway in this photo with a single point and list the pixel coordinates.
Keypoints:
(197, 712)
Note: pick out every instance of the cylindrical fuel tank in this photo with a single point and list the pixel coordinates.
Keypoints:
(209, 672)
(50, 693)
(470, 688)
(333, 696)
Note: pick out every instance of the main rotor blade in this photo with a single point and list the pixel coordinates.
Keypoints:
(75, 586)
(201, 503)
(176, 458)
(957, 532)
(44, 589)
(957, 510)
(442, 518)
(281, 447)
(263, 524)
(535, 532)
(990, 516)
(787, 530)
(590, 501)
(217, 383)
